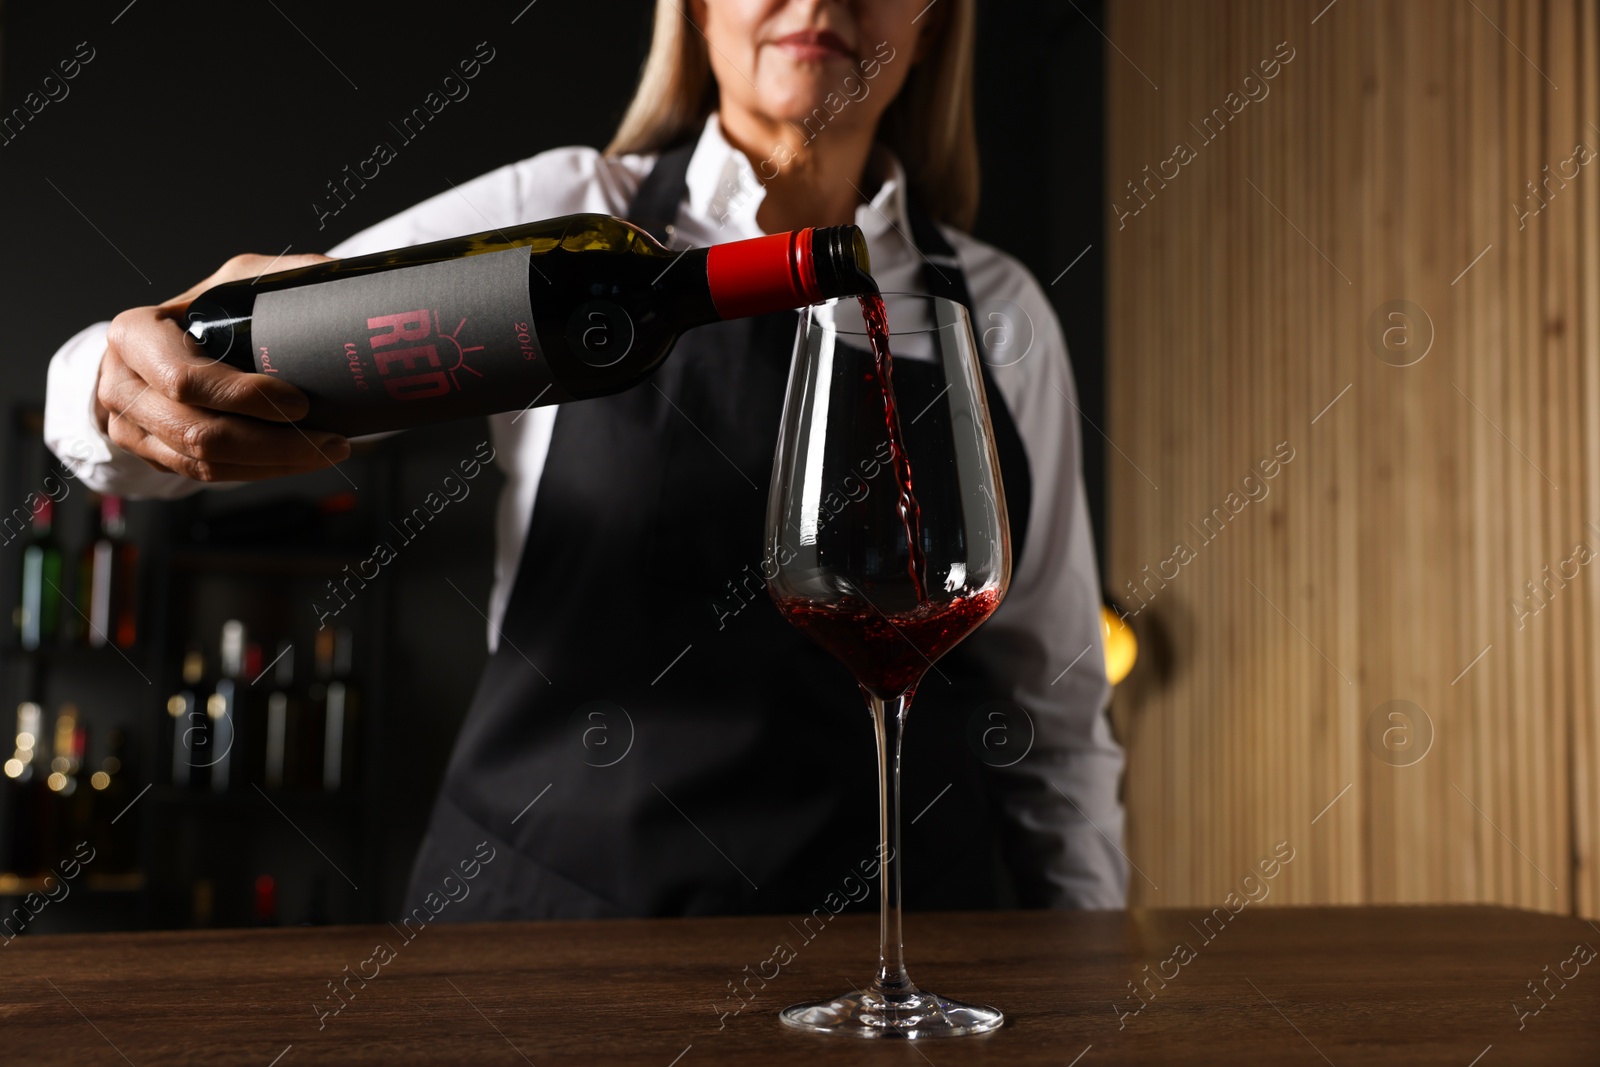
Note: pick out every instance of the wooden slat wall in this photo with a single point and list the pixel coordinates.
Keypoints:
(1386, 163)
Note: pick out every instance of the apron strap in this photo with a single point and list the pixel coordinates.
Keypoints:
(654, 207)
(941, 267)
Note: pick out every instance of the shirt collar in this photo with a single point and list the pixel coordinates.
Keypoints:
(725, 190)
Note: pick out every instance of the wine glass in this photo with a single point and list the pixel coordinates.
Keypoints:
(888, 541)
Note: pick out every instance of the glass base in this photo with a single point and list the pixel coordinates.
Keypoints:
(908, 1015)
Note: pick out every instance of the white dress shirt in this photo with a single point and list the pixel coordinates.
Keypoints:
(1045, 638)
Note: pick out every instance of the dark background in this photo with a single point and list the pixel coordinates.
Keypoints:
(202, 130)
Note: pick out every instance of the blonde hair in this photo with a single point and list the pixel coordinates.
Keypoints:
(929, 126)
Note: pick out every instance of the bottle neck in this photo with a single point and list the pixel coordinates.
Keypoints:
(112, 523)
(322, 655)
(232, 657)
(787, 270)
(283, 679)
(342, 653)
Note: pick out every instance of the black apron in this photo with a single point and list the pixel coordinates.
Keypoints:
(685, 751)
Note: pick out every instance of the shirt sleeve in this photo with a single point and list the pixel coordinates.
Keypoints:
(73, 434)
(1063, 819)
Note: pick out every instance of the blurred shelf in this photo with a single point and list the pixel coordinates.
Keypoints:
(68, 650)
(18, 885)
(259, 556)
(262, 563)
(296, 801)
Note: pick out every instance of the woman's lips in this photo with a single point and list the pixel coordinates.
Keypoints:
(816, 45)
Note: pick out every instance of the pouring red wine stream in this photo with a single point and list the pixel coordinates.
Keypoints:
(876, 317)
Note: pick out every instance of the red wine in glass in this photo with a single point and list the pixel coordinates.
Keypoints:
(888, 654)
(887, 586)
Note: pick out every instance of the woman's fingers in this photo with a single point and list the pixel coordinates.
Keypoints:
(154, 350)
(203, 444)
(234, 439)
(161, 399)
(161, 456)
(273, 457)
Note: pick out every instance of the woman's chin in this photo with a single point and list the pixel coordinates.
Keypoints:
(804, 83)
(797, 103)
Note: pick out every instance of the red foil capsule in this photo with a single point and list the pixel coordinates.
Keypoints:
(763, 274)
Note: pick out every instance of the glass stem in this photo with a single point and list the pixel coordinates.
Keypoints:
(889, 720)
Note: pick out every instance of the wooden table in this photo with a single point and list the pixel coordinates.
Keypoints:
(1272, 986)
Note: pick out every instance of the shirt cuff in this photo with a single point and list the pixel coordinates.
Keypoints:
(73, 434)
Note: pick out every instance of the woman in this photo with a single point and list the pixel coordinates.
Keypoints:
(629, 527)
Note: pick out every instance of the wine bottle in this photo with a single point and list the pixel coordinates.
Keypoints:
(39, 620)
(107, 582)
(124, 576)
(316, 913)
(202, 903)
(266, 900)
(283, 718)
(542, 313)
(190, 724)
(222, 706)
(64, 767)
(307, 757)
(27, 813)
(341, 711)
(65, 780)
(250, 719)
(116, 845)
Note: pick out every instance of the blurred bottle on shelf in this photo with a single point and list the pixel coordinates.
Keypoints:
(39, 613)
(316, 913)
(191, 726)
(250, 720)
(266, 900)
(27, 809)
(341, 703)
(284, 720)
(308, 757)
(114, 837)
(222, 706)
(202, 903)
(65, 781)
(108, 575)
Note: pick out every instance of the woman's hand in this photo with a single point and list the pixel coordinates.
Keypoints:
(182, 412)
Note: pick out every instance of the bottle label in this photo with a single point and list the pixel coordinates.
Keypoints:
(406, 346)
